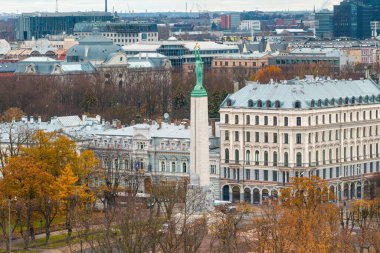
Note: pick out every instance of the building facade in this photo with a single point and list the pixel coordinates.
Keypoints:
(120, 33)
(230, 21)
(271, 133)
(37, 25)
(160, 150)
(249, 25)
(324, 24)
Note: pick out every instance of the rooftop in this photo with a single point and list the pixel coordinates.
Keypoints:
(305, 94)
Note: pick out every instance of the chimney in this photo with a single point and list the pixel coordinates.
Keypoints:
(31, 120)
(84, 118)
(159, 121)
(367, 73)
(39, 120)
(133, 122)
(105, 6)
(118, 124)
(213, 128)
(236, 86)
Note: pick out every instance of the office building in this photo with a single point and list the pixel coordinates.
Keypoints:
(120, 33)
(230, 21)
(273, 132)
(250, 25)
(324, 24)
(40, 24)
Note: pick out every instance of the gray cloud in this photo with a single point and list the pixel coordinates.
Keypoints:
(161, 5)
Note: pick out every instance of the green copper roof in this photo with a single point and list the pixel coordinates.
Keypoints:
(199, 90)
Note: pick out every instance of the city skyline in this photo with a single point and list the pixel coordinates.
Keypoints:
(19, 6)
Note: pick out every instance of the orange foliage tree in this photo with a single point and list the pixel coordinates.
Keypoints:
(45, 177)
(267, 73)
(305, 222)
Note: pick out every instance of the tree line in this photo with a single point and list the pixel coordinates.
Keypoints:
(142, 94)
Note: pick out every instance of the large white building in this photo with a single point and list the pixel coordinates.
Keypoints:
(271, 133)
(249, 25)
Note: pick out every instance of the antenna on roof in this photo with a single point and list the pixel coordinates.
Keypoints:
(56, 5)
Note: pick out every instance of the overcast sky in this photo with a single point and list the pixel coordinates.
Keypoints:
(162, 5)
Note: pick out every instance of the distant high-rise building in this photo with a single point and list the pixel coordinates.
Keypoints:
(324, 25)
(353, 18)
(345, 20)
(230, 21)
(38, 25)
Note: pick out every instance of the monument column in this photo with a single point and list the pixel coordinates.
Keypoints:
(199, 142)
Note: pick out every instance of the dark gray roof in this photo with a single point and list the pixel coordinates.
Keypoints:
(304, 94)
(93, 47)
(8, 67)
(46, 66)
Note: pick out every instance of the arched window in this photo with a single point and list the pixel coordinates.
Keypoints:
(275, 158)
(227, 155)
(277, 104)
(229, 102)
(268, 104)
(319, 103)
(326, 102)
(250, 103)
(340, 101)
(378, 97)
(312, 103)
(163, 166)
(257, 157)
(184, 169)
(259, 103)
(266, 158)
(297, 104)
(332, 101)
(366, 99)
(248, 120)
(236, 156)
(360, 99)
(346, 101)
(353, 100)
(248, 157)
(286, 159)
(299, 159)
(173, 167)
(373, 98)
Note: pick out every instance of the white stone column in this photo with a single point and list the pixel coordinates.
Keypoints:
(199, 150)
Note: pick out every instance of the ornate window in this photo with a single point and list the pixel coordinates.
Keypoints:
(173, 167)
(299, 159)
(227, 155)
(163, 166)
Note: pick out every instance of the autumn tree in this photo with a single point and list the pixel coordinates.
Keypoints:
(268, 73)
(305, 221)
(43, 177)
(12, 114)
